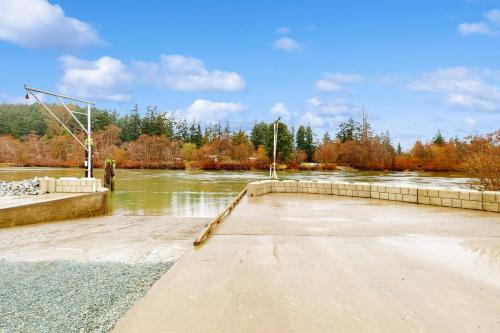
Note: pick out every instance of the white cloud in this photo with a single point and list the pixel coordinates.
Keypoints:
(474, 28)
(287, 44)
(491, 73)
(208, 111)
(109, 79)
(325, 116)
(488, 27)
(102, 79)
(279, 109)
(283, 30)
(461, 87)
(328, 86)
(178, 72)
(17, 99)
(493, 16)
(335, 82)
(39, 24)
(314, 101)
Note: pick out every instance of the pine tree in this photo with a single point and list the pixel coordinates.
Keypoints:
(133, 125)
(438, 139)
(239, 137)
(300, 138)
(182, 131)
(326, 138)
(258, 135)
(349, 130)
(284, 143)
(310, 147)
(153, 123)
(196, 137)
(226, 133)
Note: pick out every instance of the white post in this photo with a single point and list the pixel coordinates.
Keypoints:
(274, 175)
(89, 143)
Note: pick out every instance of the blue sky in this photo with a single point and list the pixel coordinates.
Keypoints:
(414, 66)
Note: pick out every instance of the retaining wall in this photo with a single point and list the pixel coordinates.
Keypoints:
(61, 208)
(69, 185)
(468, 199)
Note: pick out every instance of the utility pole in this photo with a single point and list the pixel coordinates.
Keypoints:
(272, 171)
(88, 141)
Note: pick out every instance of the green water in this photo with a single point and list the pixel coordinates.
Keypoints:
(205, 193)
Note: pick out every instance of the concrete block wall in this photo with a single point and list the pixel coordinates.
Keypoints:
(467, 199)
(70, 185)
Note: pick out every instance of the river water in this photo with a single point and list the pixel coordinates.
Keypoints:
(185, 193)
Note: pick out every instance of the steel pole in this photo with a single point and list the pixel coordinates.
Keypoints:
(273, 174)
(89, 131)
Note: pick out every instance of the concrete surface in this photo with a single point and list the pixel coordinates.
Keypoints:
(127, 239)
(21, 200)
(296, 263)
(24, 210)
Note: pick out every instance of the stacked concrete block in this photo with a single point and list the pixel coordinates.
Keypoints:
(291, 186)
(77, 185)
(491, 201)
(375, 191)
(312, 188)
(324, 188)
(423, 196)
(410, 194)
(259, 188)
(362, 190)
(469, 199)
(47, 185)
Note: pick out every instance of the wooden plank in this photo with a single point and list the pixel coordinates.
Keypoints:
(210, 227)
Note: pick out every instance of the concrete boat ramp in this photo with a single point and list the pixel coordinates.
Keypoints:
(321, 263)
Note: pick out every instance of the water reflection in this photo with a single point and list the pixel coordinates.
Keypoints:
(478, 260)
(205, 193)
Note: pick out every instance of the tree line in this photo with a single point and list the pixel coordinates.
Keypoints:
(154, 139)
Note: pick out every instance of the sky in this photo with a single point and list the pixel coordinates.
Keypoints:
(413, 66)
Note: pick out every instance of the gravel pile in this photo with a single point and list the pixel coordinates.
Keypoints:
(28, 186)
(67, 296)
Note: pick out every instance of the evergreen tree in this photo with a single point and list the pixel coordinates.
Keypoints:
(326, 138)
(182, 131)
(100, 119)
(240, 137)
(310, 147)
(438, 139)
(153, 123)
(131, 125)
(258, 135)
(300, 138)
(226, 133)
(196, 137)
(349, 130)
(399, 148)
(169, 124)
(284, 143)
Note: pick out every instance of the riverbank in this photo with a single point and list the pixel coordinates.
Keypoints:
(195, 193)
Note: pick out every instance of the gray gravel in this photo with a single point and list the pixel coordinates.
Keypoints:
(68, 296)
(28, 186)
